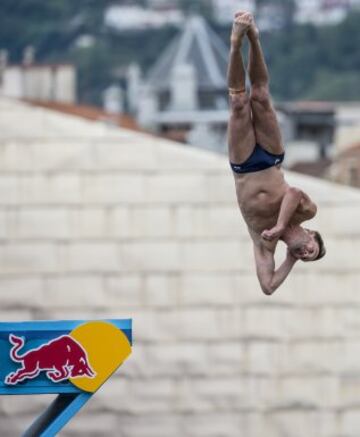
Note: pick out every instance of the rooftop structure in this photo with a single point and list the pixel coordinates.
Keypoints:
(309, 130)
(201, 49)
(189, 78)
(30, 80)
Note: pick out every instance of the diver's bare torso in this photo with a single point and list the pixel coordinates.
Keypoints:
(259, 195)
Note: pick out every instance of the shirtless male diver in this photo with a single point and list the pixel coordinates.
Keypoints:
(272, 209)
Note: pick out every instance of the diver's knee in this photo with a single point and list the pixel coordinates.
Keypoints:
(261, 94)
(239, 104)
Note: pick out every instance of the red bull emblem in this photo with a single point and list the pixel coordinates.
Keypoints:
(61, 358)
(69, 358)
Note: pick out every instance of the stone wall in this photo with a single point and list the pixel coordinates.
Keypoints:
(98, 222)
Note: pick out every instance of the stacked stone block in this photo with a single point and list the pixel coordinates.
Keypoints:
(100, 222)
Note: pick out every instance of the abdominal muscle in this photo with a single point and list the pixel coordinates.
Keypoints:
(259, 196)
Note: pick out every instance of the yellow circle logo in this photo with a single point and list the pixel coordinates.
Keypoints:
(106, 347)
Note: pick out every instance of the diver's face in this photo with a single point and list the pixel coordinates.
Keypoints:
(308, 249)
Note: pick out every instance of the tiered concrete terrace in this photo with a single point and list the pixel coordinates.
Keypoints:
(99, 222)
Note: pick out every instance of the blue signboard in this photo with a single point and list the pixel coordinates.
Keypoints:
(69, 358)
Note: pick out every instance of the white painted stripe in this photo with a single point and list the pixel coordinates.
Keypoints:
(184, 46)
(207, 52)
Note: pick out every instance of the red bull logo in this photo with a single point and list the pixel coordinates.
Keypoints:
(61, 358)
(36, 356)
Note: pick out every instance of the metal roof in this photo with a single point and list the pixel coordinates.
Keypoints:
(199, 46)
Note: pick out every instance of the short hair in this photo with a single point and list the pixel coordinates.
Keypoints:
(320, 242)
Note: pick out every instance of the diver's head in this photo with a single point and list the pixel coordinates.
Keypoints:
(306, 245)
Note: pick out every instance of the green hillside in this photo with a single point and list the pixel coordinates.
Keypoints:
(305, 62)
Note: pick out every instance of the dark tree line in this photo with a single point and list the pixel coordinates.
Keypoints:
(305, 62)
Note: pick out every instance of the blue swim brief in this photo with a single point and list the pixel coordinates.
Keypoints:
(259, 160)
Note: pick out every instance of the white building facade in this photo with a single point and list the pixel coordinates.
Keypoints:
(224, 10)
(322, 12)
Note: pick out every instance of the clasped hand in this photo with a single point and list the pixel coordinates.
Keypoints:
(273, 233)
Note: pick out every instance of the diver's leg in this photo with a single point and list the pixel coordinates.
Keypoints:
(240, 128)
(266, 127)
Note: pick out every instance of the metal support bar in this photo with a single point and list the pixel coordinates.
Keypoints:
(57, 415)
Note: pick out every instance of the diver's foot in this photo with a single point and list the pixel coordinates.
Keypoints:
(241, 26)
